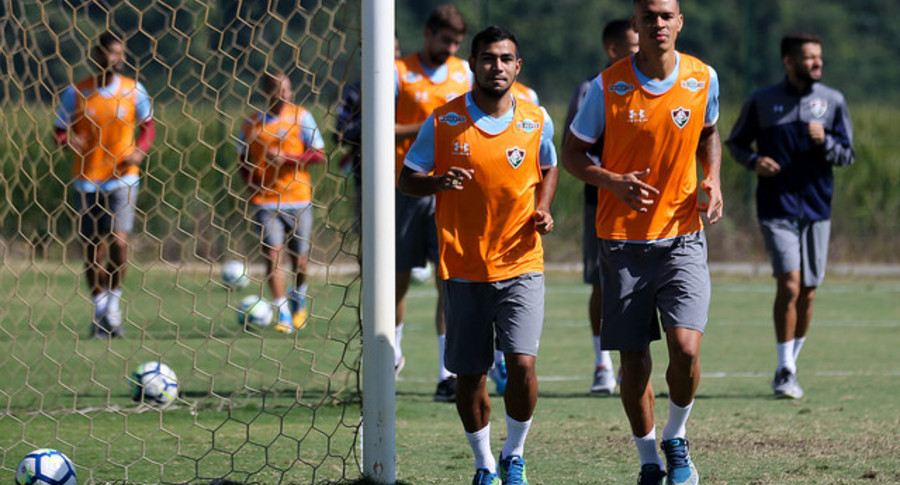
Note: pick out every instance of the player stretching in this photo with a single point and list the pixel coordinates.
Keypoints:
(277, 146)
(656, 112)
(494, 172)
(98, 120)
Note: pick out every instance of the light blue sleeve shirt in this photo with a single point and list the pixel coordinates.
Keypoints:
(421, 155)
(590, 121)
(309, 132)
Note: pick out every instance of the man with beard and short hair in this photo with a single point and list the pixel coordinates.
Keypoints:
(425, 80)
(490, 159)
(106, 121)
(802, 130)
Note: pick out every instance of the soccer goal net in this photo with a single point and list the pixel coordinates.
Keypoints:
(253, 404)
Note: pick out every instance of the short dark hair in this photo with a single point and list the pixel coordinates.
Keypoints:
(615, 31)
(107, 39)
(795, 40)
(492, 34)
(446, 17)
(271, 79)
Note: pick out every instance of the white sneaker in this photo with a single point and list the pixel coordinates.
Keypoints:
(785, 385)
(113, 321)
(604, 381)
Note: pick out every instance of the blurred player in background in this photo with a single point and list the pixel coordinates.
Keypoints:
(276, 148)
(106, 121)
(802, 130)
(657, 113)
(490, 159)
(425, 80)
(620, 41)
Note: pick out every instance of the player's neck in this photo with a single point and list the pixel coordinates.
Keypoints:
(275, 107)
(799, 84)
(656, 65)
(105, 78)
(426, 61)
(491, 105)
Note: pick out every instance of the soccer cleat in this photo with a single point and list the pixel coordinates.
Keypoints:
(99, 330)
(604, 381)
(299, 318)
(651, 474)
(399, 366)
(679, 467)
(785, 385)
(300, 315)
(484, 477)
(446, 390)
(285, 322)
(512, 470)
(497, 373)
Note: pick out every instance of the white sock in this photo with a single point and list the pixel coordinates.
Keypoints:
(798, 344)
(101, 302)
(443, 373)
(480, 441)
(786, 356)
(499, 357)
(646, 447)
(598, 352)
(113, 298)
(678, 417)
(398, 350)
(516, 431)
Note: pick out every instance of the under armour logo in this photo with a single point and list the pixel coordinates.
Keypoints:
(778, 108)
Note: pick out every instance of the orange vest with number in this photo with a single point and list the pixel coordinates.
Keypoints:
(660, 132)
(108, 126)
(290, 182)
(418, 96)
(485, 231)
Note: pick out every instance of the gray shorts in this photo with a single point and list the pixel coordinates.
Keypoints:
(103, 212)
(417, 239)
(664, 281)
(797, 245)
(509, 312)
(294, 226)
(590, 246)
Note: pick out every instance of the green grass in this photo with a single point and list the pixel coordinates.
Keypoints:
(258, 407)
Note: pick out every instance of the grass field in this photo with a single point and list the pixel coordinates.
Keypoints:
(261, 408)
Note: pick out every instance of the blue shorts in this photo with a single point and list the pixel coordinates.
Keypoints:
(645, 284)
(293, 226)
(590, 246)
(416, 231)
(797, 245)
(103, 212)
(508, 312)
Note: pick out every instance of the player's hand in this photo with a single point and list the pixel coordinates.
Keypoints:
(715, 204)
(629, 188)
(543, 222)
(134, 158)
(817, 133)
(766, 167)
(454, 177)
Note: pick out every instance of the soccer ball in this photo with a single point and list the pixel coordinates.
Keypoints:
(255, 311)
(45, 467)
(154, 383)
(234, 274)
(420, 275)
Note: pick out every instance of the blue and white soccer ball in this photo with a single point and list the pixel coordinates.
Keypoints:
(45, 467)
(255, 311)
(234, 274)
(154, 383)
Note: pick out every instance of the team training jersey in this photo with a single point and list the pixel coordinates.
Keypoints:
(107, 119)
(522, 91)
(419, 91)
(655, 125)
(485, 231)
(291, 133)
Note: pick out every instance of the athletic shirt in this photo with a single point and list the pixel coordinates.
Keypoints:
(521, 91)
(485, 231)
(107, 119)
(292, 131)
(418, 95)
(656, 131)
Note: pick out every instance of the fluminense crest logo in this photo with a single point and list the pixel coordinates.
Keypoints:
(621, 87)
(451, 119)
(515, 156)
(818, 107)
(528, 125)
(681, 116)
(692, 84)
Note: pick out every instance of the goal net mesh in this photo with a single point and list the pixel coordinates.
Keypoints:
(254, 405)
